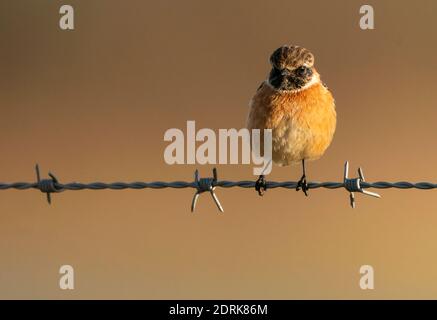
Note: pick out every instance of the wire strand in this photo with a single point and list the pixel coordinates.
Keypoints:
(209, 184)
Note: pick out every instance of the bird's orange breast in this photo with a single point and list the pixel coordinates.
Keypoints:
(302, 123)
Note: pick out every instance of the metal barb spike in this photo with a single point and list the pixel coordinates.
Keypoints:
(203, 185)
(354, 185)
(47, 186)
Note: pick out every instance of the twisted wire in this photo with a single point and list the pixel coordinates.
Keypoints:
(223, 184)
(352, 185)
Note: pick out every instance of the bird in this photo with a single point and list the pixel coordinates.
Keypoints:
(299, 109)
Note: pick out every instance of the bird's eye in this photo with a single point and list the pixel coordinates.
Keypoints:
(301, 70)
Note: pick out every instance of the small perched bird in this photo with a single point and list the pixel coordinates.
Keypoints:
(297, 106)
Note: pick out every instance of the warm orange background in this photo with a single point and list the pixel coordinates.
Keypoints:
(93, 105)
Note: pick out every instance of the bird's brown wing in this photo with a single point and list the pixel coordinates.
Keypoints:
(256, 117)
(260, 86)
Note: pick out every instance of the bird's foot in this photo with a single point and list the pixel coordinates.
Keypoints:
(302, 184)
(261, 185)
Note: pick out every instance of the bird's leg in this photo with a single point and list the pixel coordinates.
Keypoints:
(302, 183)
(261, 185)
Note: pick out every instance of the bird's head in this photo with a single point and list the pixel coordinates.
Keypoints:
(292, 68)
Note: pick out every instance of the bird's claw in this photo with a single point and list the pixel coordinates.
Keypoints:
(261, 185)
(302, 184)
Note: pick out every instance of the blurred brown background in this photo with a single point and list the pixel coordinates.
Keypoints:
(93, 105)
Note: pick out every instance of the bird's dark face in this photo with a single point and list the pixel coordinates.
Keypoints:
(292, 68)
(286, 79)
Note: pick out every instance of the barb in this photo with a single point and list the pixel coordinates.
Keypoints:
(354, 185)
(351, 185)
(203, 185)
(47, 186)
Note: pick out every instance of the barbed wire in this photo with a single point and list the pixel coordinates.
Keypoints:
(352, 185)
